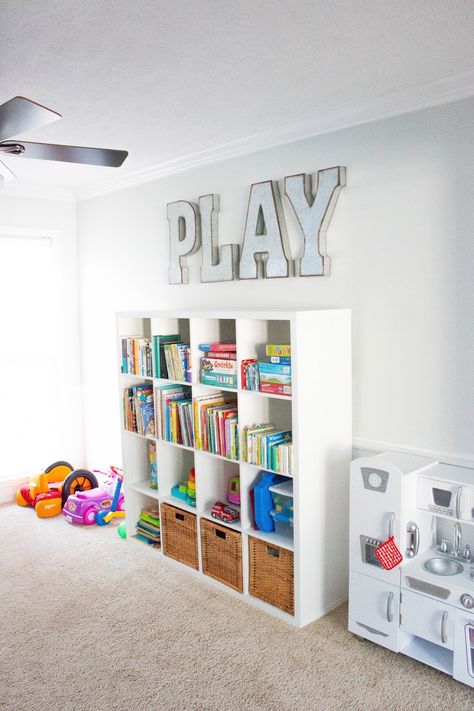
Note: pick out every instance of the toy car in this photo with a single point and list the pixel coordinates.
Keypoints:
(47, 491)
(82, 507)
(224, 513)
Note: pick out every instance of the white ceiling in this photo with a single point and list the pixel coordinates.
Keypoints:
(178, 82)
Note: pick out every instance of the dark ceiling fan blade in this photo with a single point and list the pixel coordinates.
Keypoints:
(21, 114)
(72, 154)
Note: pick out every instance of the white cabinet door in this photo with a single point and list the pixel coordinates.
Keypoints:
(376, 502)
(464, 647)
(374, 609)
(428, 619)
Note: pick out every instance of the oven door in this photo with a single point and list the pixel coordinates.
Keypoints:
(464, 648)
(442, 497)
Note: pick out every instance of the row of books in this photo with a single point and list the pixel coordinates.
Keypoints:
(216, 428)
(172, 358)
(148, 527)
(174, 414)
(268, 447)
(136, 356)
(271, 374)
(178, 362)
(138, 410)
(219, 364)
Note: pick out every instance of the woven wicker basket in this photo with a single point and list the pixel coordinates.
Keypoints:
(271, 574)
(179, 535)
(221, 551)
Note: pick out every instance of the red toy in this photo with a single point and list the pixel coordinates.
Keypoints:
(224, 513)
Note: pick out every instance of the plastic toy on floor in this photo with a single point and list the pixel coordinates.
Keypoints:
(186, 490)
(82, 507)
(47, 491)
(103, 518)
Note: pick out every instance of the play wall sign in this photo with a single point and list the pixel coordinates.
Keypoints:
(265, 250)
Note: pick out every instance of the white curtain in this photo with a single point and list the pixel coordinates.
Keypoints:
(28, 330)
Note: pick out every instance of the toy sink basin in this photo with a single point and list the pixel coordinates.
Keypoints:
(443, 566)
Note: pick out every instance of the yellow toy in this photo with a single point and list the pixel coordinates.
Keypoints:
(48, 490)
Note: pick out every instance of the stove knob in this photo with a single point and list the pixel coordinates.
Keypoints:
(467, 601)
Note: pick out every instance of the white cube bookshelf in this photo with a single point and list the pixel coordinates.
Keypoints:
(319, 413)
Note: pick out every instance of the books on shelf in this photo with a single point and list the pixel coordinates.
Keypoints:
(173, 413)
(172, 358)
(216, 427)
(136, 356)
(138, 409)
(148, 527)
(268, 447)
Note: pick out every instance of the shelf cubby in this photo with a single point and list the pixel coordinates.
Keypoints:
(212, 478)
(174, 465)
(319, 415)
(135, 501)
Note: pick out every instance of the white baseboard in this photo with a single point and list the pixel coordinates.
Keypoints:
(8, 488)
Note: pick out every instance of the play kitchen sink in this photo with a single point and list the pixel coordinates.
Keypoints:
(443, 566)
(424, 607)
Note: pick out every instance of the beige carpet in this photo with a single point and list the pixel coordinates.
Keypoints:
(91, 622)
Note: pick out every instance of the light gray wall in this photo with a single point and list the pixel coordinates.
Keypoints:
(402, 258)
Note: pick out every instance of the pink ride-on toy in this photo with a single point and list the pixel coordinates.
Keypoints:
(84, 507)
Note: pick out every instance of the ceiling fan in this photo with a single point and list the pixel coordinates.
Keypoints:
(21, 114)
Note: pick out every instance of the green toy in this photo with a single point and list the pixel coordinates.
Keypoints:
(122, 529)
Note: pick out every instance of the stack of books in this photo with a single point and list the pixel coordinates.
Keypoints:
(173, 414)
(148, 527)
(274, 371)
(172, 358)
(138, 410)
(136, 356)
(216, 426)
(268, 447)
(219, 364)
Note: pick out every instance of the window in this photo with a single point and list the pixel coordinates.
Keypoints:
(28, 319)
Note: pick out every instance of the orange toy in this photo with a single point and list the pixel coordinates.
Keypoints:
(48, 490)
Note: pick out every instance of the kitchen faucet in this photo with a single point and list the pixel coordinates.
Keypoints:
(457, 540)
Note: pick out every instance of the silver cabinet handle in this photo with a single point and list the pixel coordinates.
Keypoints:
(458, 503)
(391, 521)
(444, 619)
(413, 540)
(389, 607)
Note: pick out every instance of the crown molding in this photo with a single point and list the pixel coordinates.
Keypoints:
(36, 191)
(440, 91)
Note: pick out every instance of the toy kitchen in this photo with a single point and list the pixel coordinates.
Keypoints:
(423, 607)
